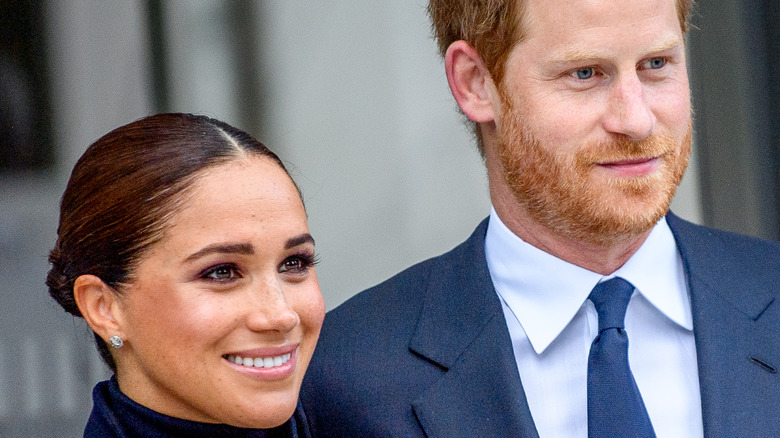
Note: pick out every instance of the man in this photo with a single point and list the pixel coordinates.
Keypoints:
(582, 111)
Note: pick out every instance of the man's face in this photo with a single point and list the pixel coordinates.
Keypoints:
(594, 126)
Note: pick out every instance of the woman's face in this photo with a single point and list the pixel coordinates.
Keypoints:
(222, 315)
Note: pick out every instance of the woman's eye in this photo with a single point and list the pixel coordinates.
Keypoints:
(297, 263)
(291, 265)
(221, 273)
(584, 73)
(655, 63)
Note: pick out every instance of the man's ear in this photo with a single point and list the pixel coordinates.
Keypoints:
(470, 82)
(99, 306)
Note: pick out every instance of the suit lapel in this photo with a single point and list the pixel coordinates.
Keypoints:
(736, 325)
(480, 392)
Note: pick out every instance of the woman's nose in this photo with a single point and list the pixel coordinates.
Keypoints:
(270, 310)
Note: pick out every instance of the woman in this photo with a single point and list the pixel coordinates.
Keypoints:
(183, 243)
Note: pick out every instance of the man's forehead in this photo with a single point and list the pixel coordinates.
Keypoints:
(576, 30)
(545, 15)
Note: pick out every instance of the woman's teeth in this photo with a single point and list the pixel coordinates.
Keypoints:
(259, 362)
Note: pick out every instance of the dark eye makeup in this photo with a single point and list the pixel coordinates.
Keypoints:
(299, 262)
(222, 273)
(295, 264)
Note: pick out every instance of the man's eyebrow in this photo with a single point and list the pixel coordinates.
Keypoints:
(575, 56)
(668, 45)
(221, 248)
(299, 240)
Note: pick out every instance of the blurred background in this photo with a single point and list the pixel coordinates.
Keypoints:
(353, 96)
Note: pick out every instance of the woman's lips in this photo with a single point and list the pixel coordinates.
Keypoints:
(265, 364)
(260, 362)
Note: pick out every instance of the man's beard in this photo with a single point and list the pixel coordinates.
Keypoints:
(564, 194)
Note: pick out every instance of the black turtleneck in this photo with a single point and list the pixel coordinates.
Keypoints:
(115, 415)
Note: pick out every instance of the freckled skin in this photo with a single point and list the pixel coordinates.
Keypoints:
(180, 316)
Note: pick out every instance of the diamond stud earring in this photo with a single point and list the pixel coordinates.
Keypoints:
(116, 341)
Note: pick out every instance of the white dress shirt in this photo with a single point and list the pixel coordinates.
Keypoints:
(552, 325)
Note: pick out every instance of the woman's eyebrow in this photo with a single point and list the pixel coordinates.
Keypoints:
(222, 248)
(299, 240)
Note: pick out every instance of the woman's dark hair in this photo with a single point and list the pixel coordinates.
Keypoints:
(123, 189)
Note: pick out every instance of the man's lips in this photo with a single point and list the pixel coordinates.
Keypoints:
(632, 166)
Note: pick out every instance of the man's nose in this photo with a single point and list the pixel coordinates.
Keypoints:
(628, 111)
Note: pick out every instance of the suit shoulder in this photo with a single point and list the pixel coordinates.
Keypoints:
(726, 259)
(394, 305)
(719, 244)
(400, 294)
(405, 291)
(366, 347)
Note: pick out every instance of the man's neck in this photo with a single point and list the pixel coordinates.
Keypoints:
(603, 259)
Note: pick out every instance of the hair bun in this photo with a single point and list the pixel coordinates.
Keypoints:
(60, 286)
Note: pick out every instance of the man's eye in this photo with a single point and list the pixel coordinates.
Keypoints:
(655, 63)
(584, 73)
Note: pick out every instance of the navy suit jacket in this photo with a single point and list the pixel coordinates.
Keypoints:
(428, 354)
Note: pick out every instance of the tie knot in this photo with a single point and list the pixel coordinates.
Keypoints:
(611, 299)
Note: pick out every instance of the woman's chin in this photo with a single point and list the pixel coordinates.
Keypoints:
(265, 415)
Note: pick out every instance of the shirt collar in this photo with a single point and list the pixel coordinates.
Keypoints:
(545, 292)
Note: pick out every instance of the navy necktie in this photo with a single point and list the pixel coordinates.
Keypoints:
(615, 407)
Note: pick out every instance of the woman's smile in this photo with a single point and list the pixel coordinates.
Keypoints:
(265, 364)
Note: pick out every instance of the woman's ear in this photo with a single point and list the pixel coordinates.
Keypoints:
(99, 306)
(470, 82)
